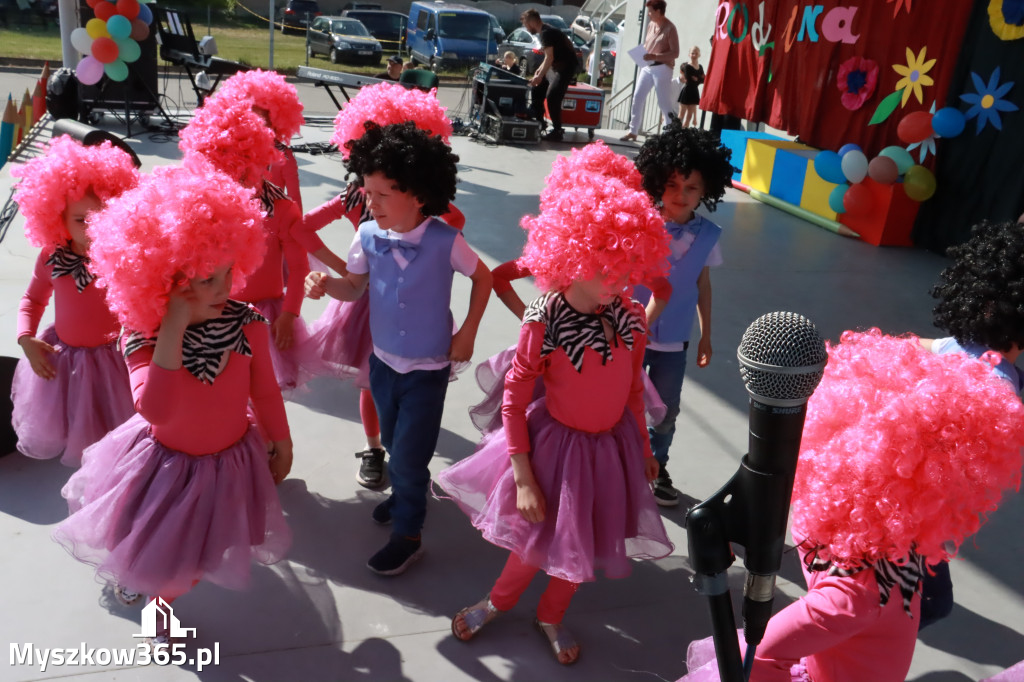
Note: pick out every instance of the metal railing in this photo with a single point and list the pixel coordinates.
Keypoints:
(620, 104)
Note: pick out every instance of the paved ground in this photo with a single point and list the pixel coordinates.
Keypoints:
(321, 615)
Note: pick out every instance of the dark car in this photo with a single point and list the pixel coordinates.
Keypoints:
(297, 15)
(584, 48)
(528, 50)
(387, 27)
(556, 21)
(342, 39)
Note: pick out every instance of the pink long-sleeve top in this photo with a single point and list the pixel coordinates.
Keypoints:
(282, 230)
(509, 271)
(285, 173)
(590, 400)
(200, 419)
(81, 318)
(842, 630)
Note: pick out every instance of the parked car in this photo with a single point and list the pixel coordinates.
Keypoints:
(556, 21)
(499, 32)
(360, 5)
(342, 39)
(608, 52)
(444, 35)
(297, 14)
(529, 52)
(585, 27)
(387, 27)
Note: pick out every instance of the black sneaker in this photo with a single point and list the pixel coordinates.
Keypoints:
(396, 556)
(555, 135)
(664, 494)
(371, 471)
(382, 513)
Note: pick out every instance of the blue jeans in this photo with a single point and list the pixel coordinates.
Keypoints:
(666, 370)
(936, 595)
(409, 407)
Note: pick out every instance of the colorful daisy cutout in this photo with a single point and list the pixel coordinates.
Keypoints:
(914, 75)
(857, 79)
(1006, 17)
(905, 4)
(988, 101)
(927, 145)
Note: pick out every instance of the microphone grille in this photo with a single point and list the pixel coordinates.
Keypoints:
(782, 359)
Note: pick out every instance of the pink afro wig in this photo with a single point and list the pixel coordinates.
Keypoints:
(177, 224)
(593, 224)
(63, 175)
(267, 90)
(232, 138)
(596, 157)
(903, 449)
(387, 103)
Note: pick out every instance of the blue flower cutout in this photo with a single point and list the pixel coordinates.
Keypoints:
(988, 101)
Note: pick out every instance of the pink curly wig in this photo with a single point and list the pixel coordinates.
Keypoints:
(232, 138)
(903, 449)
(591, 224)
(596, 157)
(387, 103)
(176, 224)
(63, 175)
(267, 90)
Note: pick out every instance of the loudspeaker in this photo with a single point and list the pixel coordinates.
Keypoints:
(62, 94)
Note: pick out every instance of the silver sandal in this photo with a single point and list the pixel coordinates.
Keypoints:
(124, 596)
(475, 617)
(560, 639)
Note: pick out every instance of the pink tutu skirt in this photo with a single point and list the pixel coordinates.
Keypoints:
(702, 664)
(288, 364)
(600, 511)
(157, 520)
(1011, 674)
(490, 376)
(340, 343)
(90, 396)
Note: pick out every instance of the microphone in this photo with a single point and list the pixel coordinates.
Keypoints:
(782, 359)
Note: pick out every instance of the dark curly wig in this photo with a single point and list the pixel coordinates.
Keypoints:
(981, 295)
(416, 161)
(685, 150)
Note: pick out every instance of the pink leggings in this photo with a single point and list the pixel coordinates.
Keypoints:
(368, 414)
(514, 580)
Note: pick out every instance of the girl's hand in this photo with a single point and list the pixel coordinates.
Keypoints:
(315, 285)
(283, 330)
(280, 459)
(181, 301)
(530, 501)
(36, 352)
(461, 349)
(704, 352)
(650, 468)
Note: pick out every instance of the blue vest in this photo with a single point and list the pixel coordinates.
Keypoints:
(409, 309)
(674, 324)
(1004, 370)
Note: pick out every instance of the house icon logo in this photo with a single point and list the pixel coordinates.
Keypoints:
(158, 617)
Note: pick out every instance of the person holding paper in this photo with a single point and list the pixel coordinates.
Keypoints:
(661, 46)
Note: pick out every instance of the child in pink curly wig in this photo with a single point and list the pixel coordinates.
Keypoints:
(73, 387)
(904, 454)
(277, 102)
(183, 491)
(564, 485)
(340, 338)
(230, 136)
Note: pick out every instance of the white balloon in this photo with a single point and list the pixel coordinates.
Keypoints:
(81, 41)
(855, 166)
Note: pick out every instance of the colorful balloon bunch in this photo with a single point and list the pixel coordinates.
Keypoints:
(848, 167)
(920, 125)
(110, 40)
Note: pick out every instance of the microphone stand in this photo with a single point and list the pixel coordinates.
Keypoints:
(746, 508)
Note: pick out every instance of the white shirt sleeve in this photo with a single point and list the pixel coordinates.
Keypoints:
(715, 257)
(464, 258)
(357, 264)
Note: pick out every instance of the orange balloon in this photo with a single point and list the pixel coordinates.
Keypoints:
(915, 127)
(104, 50)
(104, 10)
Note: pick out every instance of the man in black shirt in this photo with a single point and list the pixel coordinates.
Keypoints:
(554, 74)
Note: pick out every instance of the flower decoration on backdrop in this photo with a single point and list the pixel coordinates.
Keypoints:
(904, 4)
(857, 79)
(988, 101)
(110, 40)
(914, 78)
(1006, 17)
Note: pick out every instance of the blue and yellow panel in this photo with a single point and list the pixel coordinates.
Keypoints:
(789, 174)
(759, 163)
(816, 192)
(736, 140)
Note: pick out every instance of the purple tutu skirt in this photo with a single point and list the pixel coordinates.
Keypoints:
(157, 520)
(600, 511)
(702, 664)
(288, 364)
(1011, 674)
(340, 343)
(490, 376)
(90, 396)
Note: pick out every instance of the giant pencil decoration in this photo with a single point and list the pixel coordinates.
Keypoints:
(7, 131)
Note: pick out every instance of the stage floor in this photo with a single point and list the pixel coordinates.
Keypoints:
(321, 615)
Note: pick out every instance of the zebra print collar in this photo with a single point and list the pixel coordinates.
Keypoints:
(66, 262)
(354, 198)
(888, 574)
(573, 331)
(204, 344)
(270, 194)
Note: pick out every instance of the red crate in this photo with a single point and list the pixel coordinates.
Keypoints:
(582, 107)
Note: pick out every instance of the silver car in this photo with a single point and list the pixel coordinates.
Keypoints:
(342, 40)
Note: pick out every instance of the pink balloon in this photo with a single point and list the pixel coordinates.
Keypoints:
(104, 10)
(883, 170)
(105, 50)
(129, 9)
(140, 30)
(89, 71)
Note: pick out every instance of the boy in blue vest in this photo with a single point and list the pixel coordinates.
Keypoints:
(408, 260)
(681, 168)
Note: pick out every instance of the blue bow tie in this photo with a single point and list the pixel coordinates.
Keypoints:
(677, 230)
(407, 249)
